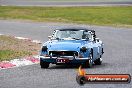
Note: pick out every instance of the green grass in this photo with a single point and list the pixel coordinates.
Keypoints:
(115, 16)
(12, 48)
(10, 54)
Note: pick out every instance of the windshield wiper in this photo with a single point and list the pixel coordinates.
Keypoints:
(76, 38)
(57, 38)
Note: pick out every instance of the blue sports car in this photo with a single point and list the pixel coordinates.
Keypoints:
(77, 46)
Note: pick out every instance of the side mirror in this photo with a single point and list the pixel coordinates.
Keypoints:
(49, 37)
(97, 39)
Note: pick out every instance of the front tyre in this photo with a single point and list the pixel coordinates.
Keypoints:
(89, 63)
(98, 61)
(44, 64)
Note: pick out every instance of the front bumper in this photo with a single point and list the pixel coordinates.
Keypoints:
(54, 60)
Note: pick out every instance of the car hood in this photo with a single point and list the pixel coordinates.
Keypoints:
(68, 45)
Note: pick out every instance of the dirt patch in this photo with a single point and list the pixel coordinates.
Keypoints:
(11, 48)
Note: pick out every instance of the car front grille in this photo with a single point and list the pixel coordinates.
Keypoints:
(63, 53)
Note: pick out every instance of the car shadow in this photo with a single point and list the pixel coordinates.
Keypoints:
(103, 65)
(64, 67)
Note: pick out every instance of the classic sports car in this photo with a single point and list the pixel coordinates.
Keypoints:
(72, 46)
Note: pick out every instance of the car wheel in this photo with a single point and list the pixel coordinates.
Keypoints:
(102, 51)
(44, 64)
(98, 61)
(89, 63)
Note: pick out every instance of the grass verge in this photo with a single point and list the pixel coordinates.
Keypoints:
(11, 48)
(115, 16)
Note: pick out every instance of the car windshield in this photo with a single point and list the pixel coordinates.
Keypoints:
(71, 34)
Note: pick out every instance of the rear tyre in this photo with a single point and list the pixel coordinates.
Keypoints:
(102, 51)
(98, 61)
(44, 64)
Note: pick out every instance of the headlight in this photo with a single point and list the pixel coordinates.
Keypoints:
(44, 48)
(83, 49)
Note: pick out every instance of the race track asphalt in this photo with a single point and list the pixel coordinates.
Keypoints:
(117, 58)
(65, 3)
